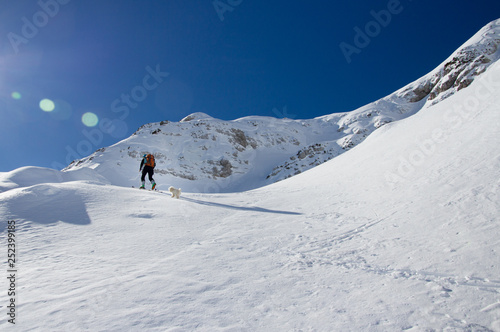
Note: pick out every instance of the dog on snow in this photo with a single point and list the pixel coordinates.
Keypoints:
(175, 192)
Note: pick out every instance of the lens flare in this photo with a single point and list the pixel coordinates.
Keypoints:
(90, 119)
(16, 95)
(62, 110)
(47, 105)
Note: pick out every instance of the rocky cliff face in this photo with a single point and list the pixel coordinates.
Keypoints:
(201, 153)
(460, 69)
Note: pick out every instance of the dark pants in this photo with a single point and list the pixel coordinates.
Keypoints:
(149, 171)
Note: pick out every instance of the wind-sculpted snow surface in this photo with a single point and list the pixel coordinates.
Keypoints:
(29, 176)
(400, 233)
(204, 154)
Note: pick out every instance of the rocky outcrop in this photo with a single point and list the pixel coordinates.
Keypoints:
(460, 70)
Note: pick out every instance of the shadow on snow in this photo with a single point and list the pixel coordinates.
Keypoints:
(241, 208)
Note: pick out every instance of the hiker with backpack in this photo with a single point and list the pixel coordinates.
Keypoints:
(147, 167)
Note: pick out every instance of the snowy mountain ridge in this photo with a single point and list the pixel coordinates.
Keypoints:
(204, 154)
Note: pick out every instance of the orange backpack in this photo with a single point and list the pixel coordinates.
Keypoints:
(150, 160)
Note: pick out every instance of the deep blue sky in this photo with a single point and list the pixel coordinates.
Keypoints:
(274, 58)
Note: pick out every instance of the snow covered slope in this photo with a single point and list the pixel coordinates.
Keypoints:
(400, 233)
(203, 154)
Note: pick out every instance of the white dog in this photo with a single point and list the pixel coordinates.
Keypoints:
(175, 192)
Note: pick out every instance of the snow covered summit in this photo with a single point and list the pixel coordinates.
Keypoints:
(204, 154)
(196, 116)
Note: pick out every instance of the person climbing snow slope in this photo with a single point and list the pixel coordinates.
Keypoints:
(147, 167)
